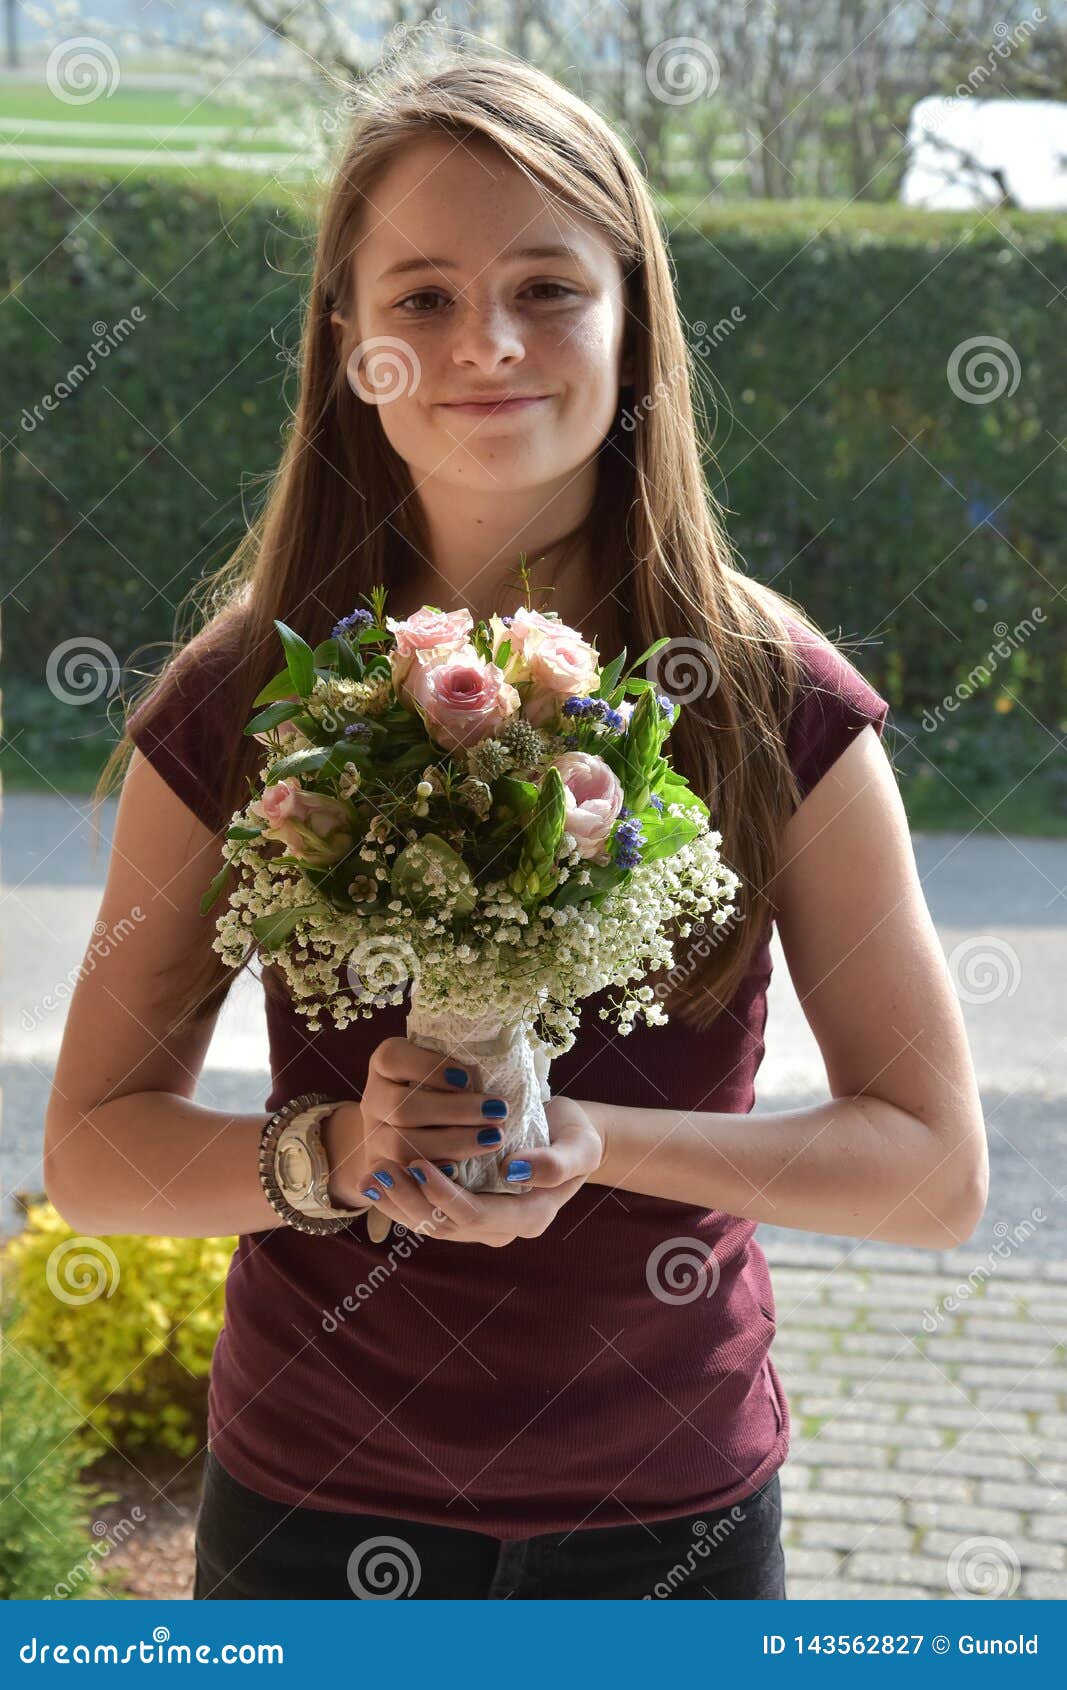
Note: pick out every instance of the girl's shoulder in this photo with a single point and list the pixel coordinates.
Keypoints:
(833, 703)
(180, 724)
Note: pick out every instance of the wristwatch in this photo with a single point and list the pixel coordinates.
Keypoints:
(294, 1169)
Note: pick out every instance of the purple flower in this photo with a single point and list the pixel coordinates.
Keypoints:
(629, 838)
(348, 624)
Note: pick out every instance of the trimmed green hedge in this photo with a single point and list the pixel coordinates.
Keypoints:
(908, 521)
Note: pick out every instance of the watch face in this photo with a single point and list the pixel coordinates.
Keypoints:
(294, 1168)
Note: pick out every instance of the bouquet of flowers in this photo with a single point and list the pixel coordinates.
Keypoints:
(482, 814)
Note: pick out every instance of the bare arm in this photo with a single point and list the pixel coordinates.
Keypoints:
(126, 1151)
(899, 1151)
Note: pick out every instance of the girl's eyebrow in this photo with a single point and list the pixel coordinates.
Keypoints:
(405, 265)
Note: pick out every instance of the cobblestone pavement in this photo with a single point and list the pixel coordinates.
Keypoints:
(929, 1409)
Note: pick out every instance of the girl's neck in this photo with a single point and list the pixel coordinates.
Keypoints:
(577, 600)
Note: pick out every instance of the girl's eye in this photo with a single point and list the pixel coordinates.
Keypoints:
(434, 294)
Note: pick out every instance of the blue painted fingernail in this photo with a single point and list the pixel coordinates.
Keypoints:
(495, 1108)
(456, 1076)
(447, 1168)
(519, 1170)
(417, 1175)
(376, 1195)
(386, 1179)
(490, 1135)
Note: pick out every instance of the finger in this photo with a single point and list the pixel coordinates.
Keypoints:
(405, 1107)
(453, 1201)
(570, 1156)
(442, 1144)
(406, 1063)
(378, 1226)
(394, 1194)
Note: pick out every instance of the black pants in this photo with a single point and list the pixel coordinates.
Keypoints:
(250, 1546)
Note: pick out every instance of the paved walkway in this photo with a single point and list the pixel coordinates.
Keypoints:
(929, 1409)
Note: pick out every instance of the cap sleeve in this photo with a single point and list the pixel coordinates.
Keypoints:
(834, 704)
(177, 726)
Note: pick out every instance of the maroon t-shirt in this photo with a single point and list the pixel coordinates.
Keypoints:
(545, 1386)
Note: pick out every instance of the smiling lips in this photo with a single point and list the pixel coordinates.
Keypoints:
(491, 407)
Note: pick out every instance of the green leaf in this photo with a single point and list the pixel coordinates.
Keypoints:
(300, 658)
(273, 930)
(416, 758)
(303, 762)
(609, 678)
(272, 716)
(674, 790)
(345, 751)
(239, 831)
(349, 662)
(514, 800)
(603, 878)
(214, 891)
(657, 645)
(409, 878)
(326, 653)
(280, 687)
(503, 654)
(665, 835)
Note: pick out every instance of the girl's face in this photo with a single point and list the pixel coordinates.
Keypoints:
(447, 310)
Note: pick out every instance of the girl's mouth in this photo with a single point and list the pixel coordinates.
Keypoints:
(493, 407)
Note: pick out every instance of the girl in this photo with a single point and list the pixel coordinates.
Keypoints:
(588, 1410)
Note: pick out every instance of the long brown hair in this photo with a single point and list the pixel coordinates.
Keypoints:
(341, 515)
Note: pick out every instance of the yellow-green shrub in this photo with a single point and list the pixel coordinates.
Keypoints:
(126, 1325)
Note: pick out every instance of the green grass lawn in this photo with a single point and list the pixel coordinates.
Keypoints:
(159, 122)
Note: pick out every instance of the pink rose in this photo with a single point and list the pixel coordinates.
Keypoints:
(593, 798)
(310, 825)
(561, 665)
(526, 622)
(434, 632)
(462, 698)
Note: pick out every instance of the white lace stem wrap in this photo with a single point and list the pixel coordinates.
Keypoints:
(502, 1061)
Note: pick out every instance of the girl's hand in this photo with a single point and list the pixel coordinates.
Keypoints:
(437, 1207)
(416, 1103)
